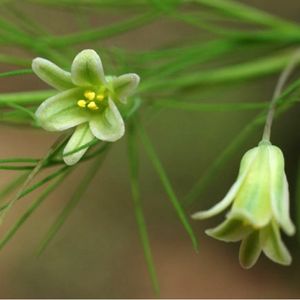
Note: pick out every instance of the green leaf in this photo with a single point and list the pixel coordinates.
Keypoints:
(15, 73)
(138, 209)
(209, 107)
(12, 185)
(246, 13)
(74, 200)
(33, 206)
(52, 152)
(103, 32)
(167, 186)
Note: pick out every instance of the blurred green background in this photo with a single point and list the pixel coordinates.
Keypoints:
(97, 253)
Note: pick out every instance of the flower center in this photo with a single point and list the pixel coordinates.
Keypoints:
(92, 100)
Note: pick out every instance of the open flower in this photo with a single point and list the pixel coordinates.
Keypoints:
(260, 207)
(87, 100)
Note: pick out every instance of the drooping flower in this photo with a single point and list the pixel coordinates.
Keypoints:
(87, 100)
(260, 207)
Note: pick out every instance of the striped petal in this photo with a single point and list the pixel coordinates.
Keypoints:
(279, 191)
(231, 230)
(61, 112)
(87, 69)
(81, 136)
(273, 246)
(125, 85)
(250, 250)
(253, 198)
(52, 74)
(108, 125)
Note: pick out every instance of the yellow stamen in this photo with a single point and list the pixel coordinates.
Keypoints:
(90, 95)
(93, 106)
(81, 103)
(100, 97)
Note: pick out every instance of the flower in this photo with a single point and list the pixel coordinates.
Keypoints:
(260, 207)
(87, 100)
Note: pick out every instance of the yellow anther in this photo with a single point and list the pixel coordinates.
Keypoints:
(81, 103)
(100, 97)
(93, 106)
(90, 95)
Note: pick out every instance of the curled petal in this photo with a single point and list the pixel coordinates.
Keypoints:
(227, 200)
(125, 85)
(87, 69)
(81, 136)
(61, 112)
(220, 206)
(108, 125)
(231, 230)
(250, 250)
(52, 74)
(273, 246)
(279, 191)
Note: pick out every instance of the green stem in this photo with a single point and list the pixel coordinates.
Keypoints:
(32, 97)
(245, 13)
(277, 92)
(138, 209)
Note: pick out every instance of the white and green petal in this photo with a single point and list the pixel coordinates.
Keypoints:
(52, 74)
(108, 125)
(246, 163)
(273, 246)
(60, 112)
(87, 69)
(81, 136)
(250, 250)
(253, 198)
(231, 230)
(125, 85)
(279, 191)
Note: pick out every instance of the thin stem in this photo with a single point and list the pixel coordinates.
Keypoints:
(277, 92)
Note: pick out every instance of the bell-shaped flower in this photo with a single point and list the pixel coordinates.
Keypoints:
(87, 100)
(260, 208)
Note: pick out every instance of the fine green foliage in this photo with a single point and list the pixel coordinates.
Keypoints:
(231, 44)
(136, 197)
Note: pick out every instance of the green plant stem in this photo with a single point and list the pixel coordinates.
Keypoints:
(138, 209)
(74, 200)
(33, 173)
(16, 72)
(167, 186)
(33, 206)
(99, 34)
(235, 73)
(277, 92)
(25, 98)
(246, 13)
